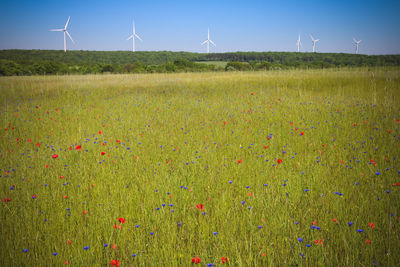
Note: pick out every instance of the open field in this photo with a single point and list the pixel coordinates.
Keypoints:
(267, 168)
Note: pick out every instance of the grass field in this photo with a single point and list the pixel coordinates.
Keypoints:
(245, 169)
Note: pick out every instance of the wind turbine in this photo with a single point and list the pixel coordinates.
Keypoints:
(314, 42)
(133, 37)
(65, 32)
(208, 41)
(298, 44)
(357, 43)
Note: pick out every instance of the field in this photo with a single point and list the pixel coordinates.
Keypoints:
(245, 169)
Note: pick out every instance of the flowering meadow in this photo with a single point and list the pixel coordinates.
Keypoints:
(205, 169)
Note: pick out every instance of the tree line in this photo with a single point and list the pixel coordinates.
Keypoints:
(43, 62)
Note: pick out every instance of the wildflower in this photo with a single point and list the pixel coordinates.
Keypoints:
(25, 250)
(54, 156)
(300, 239)
(100, 132)
(79, 148)
(350, 223)
(84, 212)
(334, 219)
(55, 254)
(86, 248)
(69, 242)
(115, 262)
(113, 246)
(196, 260)
(372, 225)
(215, 233)
(34, 196)
(103, 153)
(117, 226)
(301, 133)
(239, 161)
(367, 241)
(200, 206)
(360, 230)
(121, 220)
(279, 161)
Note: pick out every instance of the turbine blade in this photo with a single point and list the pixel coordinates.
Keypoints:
(204, 42)
(312, 38)
(213, 43)
(137, 36)
(70, 37)
(354, 39)
(66, 24)
(130, 37)
(56, 30)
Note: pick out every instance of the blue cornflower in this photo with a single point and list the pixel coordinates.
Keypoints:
(300, 239)
(105, 245)
(55, 254)
(151, 233)
(350, 223)
(86, 248)
(25, 250)
(259, 227)
(308, 245)
(360, 230)
(306, 190)
(215, 233)
(133, 255)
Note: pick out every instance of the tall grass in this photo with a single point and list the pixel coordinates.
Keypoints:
(173, 141)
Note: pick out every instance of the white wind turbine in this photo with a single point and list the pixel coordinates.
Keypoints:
(314, 42)
(208, 41)
(298, 44)
(133, 37)
(65, 32)
(357, 43)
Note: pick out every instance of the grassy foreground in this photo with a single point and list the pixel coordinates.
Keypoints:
(244, 169)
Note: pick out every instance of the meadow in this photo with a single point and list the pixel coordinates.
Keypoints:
(295, 167)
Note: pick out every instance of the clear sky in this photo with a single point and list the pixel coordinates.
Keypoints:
(269, 25)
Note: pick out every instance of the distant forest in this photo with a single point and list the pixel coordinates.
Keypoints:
(43, 62)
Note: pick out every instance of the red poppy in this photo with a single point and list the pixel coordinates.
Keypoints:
(301, 133)
(224, 260)
(69, 242)
(65, 197)
(78, 147)
(224, 122)
(103, 153)
(100, 132)
(6, 199)
(121, 220)
(115, 262)
(196, 260)
(368, 241)
(239, 161)
(334, 219)
(34, 196)
(372, 225)
(279, 161)
(84, 212)
(252, 93)
(200, 206)
(117, 226)
(46, 166)
(265, 146)
(118, 141)
(54, 156)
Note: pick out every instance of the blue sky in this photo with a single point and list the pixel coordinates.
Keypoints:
(182, 25)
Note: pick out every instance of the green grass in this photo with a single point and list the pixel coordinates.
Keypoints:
(181, 139)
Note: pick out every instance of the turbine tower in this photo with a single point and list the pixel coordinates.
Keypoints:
(357, 43)
(208, 41)
(65, 32)
(298, 44)
(314, 42)
(133, 37)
